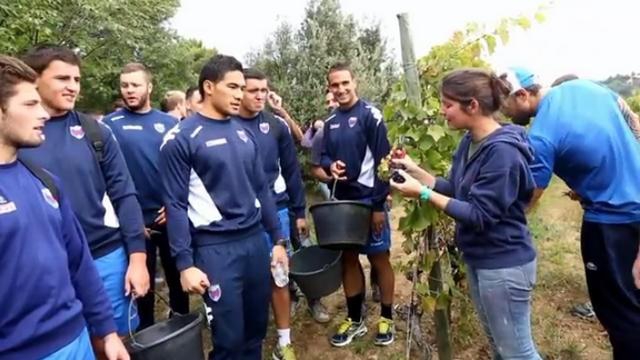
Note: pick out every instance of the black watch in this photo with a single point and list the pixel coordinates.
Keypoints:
(282, 242)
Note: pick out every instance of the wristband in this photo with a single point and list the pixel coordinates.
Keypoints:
(281, 242)
(425, 193)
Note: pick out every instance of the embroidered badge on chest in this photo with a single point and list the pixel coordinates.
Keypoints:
(264, 127)
(6, 206)
(352, 121)
(76, 131)
(159, 128)
(49, 198)
(242, 135)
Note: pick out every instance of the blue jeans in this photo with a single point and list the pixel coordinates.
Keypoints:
(502, 298)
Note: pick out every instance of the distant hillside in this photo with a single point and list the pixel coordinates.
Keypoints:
(624, 85)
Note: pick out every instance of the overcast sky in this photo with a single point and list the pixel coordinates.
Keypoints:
(591, 38)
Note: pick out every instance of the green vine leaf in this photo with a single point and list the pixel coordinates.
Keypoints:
(436, 131)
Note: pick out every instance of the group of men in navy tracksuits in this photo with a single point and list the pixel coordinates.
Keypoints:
(85, 206)
(216, 193)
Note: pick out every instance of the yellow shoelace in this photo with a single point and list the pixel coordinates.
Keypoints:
(345, 326)
(384, 325)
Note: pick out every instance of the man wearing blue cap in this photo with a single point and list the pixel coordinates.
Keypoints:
(580, 133)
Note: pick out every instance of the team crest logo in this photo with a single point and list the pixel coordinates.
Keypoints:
(159, 128)
(215, 292)
(50, 199)
(352, 121)
(264, 127)
(242, 135)
(76, 131)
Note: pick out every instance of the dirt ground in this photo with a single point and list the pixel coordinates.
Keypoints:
(558, 335)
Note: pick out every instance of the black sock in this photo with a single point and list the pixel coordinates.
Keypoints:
(385, 311)
(354, 307)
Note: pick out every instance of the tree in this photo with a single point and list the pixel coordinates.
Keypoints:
(297, 60)
(107, 34)
(625, 85)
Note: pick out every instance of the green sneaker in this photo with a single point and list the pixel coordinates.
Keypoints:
(347, 331)
(284, 353)
(385, 335)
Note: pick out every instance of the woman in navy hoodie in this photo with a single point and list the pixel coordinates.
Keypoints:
(487, 192)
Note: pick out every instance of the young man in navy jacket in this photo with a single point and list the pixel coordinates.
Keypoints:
(354, 142)
(103, 196)
(51, 291)
(139, 130)
(282, 170)
(219, 205)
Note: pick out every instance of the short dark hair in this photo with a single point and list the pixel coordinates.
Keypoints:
(564, 79)
(39, 57)
(253, 73)
(216, 68)
(465, 85)
(135, 67)
(190, 91)
(340, 66)
(13, 72)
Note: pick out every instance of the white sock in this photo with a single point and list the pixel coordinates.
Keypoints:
(284, 337)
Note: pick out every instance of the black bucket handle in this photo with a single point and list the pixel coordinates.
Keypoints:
(333, 190)
(134, 343)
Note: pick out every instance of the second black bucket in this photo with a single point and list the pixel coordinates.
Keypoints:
(317, 271)
(176, 338)
(341, 224)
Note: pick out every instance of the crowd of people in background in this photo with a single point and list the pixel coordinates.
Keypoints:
(212, 186)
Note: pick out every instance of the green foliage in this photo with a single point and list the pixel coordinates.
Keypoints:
(634, 102)
(107, 34)
(297, 59)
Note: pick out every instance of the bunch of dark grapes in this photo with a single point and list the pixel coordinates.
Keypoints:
(388, 170)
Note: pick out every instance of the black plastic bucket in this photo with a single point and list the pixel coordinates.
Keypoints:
(316, 271)
(176, 338)
(341, 224)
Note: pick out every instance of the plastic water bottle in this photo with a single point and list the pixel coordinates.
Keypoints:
(280, 275)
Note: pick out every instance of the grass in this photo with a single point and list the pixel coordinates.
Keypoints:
(555, 226)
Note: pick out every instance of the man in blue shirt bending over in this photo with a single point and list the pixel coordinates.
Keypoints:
(139, 130)
(219, 205)
(580, 134)
(103, 196)
(51, 292)
(354, 142)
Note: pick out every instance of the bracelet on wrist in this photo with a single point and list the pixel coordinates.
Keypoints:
(425, 193)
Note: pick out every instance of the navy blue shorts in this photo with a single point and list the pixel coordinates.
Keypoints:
(379, 243)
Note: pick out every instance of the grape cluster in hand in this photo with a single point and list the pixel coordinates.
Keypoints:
(387, 170)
